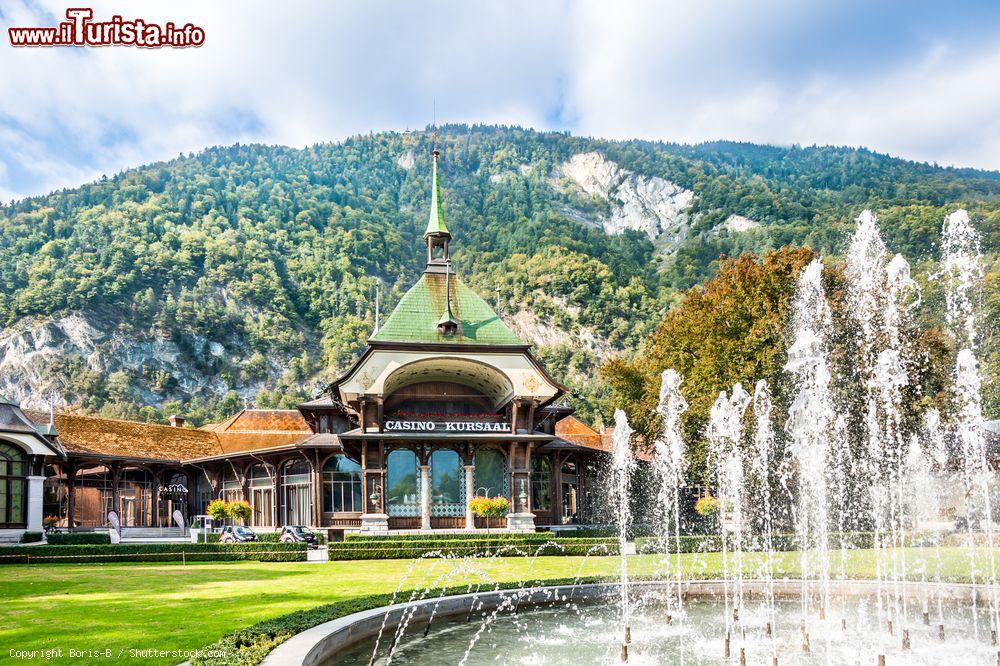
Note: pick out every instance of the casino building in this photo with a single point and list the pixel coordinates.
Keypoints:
(445, 403)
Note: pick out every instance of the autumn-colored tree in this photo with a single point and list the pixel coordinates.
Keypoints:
(731, 329)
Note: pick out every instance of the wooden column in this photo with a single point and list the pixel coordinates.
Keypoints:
(70, 473)
(116, 504)
(317, 488)
(557, 459)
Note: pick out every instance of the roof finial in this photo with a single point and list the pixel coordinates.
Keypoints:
(447, 324)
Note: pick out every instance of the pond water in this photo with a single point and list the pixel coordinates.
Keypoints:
(583, 634)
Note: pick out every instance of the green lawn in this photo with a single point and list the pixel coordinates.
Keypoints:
(121, 607)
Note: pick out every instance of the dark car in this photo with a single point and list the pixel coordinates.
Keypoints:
(237, 534)
(299, 533)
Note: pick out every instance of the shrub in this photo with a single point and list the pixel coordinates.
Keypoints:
(218, 510)
(31, 537)
(78, 538)
(408, 549)
(507, 536)
(240, 510)
(155, 552)
(707, 506)
(489, 507)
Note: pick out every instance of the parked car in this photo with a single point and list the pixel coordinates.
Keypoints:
(299, 533)
(237, 534)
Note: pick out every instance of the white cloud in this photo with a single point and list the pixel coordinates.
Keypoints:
(770, 71)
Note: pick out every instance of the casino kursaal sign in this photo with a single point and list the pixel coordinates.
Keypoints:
(445, 426)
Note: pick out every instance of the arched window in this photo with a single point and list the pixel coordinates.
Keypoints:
(94, 496)
(205, 493)
(342, 485)
(402, 488)
(13, 487)
(135, 494)
(231, 489)
(491, 473)
(541, 487)
(447, 484)
(260, 478)
(295, 479)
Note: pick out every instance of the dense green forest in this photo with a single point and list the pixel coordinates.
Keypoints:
(256, 265)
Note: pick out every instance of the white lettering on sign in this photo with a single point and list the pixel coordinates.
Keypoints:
(448, 426)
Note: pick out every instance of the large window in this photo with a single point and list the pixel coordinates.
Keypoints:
(298, 495)
(570, 487)
(13, 486)
(402, 487)
(205, 493)
(135, 494)
(342, 485)
(491, 473)
(260, 478)
(232, 489)
(447, 484)
(541, 486)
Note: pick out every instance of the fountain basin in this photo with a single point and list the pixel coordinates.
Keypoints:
(332, 641)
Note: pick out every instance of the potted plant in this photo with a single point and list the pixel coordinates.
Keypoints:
(240, 510)
(489, 507)
(218, 510)
(49, 523)
(707, 506)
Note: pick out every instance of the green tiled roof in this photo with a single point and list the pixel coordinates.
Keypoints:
(416, 317)
(435, 224)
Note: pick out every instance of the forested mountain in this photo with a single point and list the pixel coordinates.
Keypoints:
(249, 272)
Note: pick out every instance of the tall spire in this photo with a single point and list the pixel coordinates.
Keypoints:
(435, 224)
(436, 236)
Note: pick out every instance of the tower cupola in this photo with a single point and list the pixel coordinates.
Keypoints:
(437, 235)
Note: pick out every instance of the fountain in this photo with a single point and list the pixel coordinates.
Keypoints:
(725, 431)
(622, 468)
(668, 469)
(855, 459)
(961, 269)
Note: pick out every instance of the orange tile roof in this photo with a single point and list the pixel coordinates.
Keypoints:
(264, 420)
(129, 439)
(254, 429)
(577, 432)
(248, 430)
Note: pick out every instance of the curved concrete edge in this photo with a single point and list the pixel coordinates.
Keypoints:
(312, 646)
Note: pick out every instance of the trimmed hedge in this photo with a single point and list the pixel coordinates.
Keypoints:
(78, 538)
(510, 537)
(31, 537)
(262, 537)
(387, 549)
(712, 543)
(155, 552)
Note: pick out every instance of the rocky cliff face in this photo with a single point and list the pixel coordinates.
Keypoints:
(36, 354)
(649, 204)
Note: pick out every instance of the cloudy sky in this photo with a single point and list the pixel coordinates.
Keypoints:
(912, 78)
